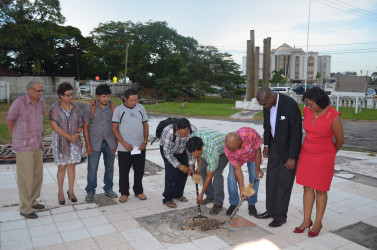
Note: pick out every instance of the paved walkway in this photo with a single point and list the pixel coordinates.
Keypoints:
(88, 226)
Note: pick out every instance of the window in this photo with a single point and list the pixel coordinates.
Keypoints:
(297, 67)
(310, 70)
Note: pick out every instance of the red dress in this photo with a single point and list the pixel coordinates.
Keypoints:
(315, 167)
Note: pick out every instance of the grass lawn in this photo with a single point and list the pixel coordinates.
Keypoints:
(212, 107)
(348, 113)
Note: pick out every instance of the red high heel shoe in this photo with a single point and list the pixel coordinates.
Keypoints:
(299, 230)
(313, 234)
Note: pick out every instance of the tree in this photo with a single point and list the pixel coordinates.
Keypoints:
(318, 77)
(28, 30)
(278, 77)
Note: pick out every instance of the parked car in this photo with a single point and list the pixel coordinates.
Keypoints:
(300, 89)
(85, 88)
(282, 90)
(371, 93)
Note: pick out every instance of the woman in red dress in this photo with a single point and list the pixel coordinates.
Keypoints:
(315, 167)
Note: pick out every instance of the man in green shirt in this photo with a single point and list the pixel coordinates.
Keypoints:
(207, 147)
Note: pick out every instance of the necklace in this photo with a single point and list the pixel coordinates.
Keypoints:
(69, 109)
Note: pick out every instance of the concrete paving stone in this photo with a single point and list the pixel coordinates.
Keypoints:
(82, 244)
(63, 209)
(185, 246)
(351, 217)
(88, 213)
(292, 247)
(10, 216)
(40, 221)
(85, 206)
(291, 237)
(352, 203)
(14, 235)
(141, 212)
(147, 243)
(112, 239)
(371, 211)
(126, 225)
(210, 243)
(352, 246)
(332, 240)
(312, 244)
(13, 225)
(64, 226)
(46, 240)
(338, 208)
(43, 213)
(117, 217)
(95, 221)
(136, 234)
(69, 216)
(278, 241)
(43, 230)
(60, 246)
(101, 230)
(74, 235)
(371, 221)
(17, 244)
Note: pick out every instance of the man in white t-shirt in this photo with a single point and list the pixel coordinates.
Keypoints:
(130, 128)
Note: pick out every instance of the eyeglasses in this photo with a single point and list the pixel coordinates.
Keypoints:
(68, 95)
(39, 91)
(310, 104)
(268, 99)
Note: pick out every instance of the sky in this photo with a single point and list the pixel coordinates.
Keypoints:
(344, 29)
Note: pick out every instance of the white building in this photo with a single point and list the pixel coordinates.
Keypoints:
(292, 61)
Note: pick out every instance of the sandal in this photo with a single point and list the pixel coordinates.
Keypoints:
(171, 204)
(183, 199)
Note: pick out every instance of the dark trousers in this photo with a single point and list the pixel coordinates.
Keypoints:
(175, 179)
(125, 161)
(279, 183)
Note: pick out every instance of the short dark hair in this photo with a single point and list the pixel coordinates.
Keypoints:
(129, 92)
(63, 87)
(183, 123)
(194, 143)
(103, 89)
(317, 95)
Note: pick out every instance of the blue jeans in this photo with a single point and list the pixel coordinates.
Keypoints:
(234, 198)
(93, 161)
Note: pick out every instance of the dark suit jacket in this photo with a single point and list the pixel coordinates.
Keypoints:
(288, 128)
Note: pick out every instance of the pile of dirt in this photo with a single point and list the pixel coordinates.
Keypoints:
(202, 224)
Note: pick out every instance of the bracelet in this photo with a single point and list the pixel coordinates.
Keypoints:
(145, 141)
(181, 167)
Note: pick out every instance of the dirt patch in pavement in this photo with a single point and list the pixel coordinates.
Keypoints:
(102, 200)
(177, 226)
(361, 233)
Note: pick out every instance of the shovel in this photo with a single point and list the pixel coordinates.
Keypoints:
(241, 201)
(199, 210)
(198, 179)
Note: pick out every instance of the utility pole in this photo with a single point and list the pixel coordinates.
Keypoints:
(125, 66)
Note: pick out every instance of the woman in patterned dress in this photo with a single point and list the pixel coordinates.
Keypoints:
(66, 122)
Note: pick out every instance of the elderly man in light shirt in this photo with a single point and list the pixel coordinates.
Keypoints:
(25, 124)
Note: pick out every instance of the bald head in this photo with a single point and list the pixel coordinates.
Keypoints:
(233, 141)
(263, 93)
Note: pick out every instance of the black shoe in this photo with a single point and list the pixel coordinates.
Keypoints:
(265, 215)
(252, 210)
(73, 199)
(277, 222)
(230, 209)
(61, 202)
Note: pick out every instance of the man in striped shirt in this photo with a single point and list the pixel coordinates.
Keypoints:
(207, 147)
(177, 160)
(243, 146)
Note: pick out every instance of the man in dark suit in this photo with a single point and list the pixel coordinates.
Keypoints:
(282, 142)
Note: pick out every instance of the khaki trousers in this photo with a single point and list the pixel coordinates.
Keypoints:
(29, 178)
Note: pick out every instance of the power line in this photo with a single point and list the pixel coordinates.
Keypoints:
(358, 9)
(346, 10)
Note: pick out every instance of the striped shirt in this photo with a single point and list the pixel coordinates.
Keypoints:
(251, 141)
(28, 127)
(177, 147)
(213, 147)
